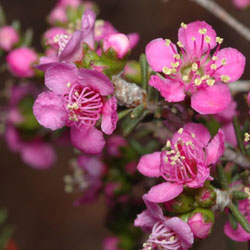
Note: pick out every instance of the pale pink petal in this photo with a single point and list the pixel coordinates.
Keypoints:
(96, 81)
(88, 140)
(39, 155)
(211, 100)
(59, 75)
(160, 55)
(234, 67)
(49, 110)
(109, 116)
(149, 165)
(229, 133)
(13, 139)
(239, 235)
(183, 231)
(133, 39)
(145, 220)
(186, 35)
(163, 192)
(171, 91)
(215, 148)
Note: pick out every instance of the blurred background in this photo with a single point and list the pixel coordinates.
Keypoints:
(42, 213)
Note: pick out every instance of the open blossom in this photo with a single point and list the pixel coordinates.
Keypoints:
(193, 70)
(185, 163)
(8, 37)
(78, 99)
(165, 233)
(20, 62)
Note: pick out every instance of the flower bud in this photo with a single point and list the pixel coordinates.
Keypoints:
(20, 62)
(241, 4)
(180, 204)
(117, 42)
(205, 197)
(132, 72)
(201, 222)
(8, 37)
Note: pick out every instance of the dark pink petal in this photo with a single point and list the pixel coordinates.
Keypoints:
(96, 81)
(211, 100)
(163, 192)
(154, 209)
(149, 165)
(89, 140)
(239, 235)
(229, 133)
(46, 62)
(160, 55)
(49, 110)
(215, 148)
(183, 231)
(145, 221)
(13, 139)
(39, 155)
(73, 49)
(203, 173)
(186, 35)
(109, 116)
(59, 75)
(171, 91)
(234, 67)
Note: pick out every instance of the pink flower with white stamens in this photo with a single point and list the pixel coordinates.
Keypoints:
(185, 162)
(193, 70)
(78, 99)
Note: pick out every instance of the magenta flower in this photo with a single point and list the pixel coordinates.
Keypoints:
(241, 4)
(185, 163)
(8, 37)
(77, 99)
(52, 35)
(166, 233)
(114, 143)
(20, 62)
(193, 71)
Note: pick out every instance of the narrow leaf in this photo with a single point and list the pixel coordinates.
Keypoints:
(239, 135)
(137, 111)
(124, 113)
(222, 176)
(144, 71)
(233, 221)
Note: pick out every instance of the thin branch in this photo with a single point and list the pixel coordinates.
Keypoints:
(240, 86)
(222, 14)
(237, 158)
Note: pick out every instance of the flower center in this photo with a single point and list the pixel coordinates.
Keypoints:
(84, 106)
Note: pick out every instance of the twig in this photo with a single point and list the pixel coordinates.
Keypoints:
(222, 14)
(240, 86)
(237, 158)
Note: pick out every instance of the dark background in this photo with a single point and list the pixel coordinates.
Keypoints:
(42, 213)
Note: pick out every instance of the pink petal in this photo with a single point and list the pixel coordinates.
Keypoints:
(96, 81)
(73, 49)
(109, 116)
(13, 139)
(163, 192)
(183, 231)
(88, 140)
(59, 75)
(49, 110)
(211, 100)
(149, 165)
(229, 133)
(160, 55)
(215, 148)
(145, 221)
(133, 39)
(203, 174)
(171, 91)
(235, 64)
(39, 155)
(239, 235)
(185, 35)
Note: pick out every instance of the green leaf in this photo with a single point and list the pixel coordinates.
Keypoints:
(239, 195)
(2, 17)
(222, 176)
(137, 111)
(27, 39)
(239, 135)
(124, 113)
(144, 71)
(233, 221)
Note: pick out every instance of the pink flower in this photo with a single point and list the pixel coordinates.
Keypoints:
(52, 35)
(166, 233)
(241, 4)
(239, 234)
(20, 62)
(72, 3)
(114, 143)
(110, 243)
(58, 14)
(8, 37)
(118, 42)
(77, 99)
(193, 70)
(185, 163)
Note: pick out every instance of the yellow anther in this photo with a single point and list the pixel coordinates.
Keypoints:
(247, 137)
(175, 65)
(194, 66)
(76, 93)
(172, 151)
(183, 25)
(179, 43)
(75, 106)
(203, 31)
(193, 38)
(210, 82)
(69, 106)
(215, 58)
(197, 81)
(185, 78)
(173, 163)
(168, 42)
(207, 39)
(166, 159)
(68, 84)
(183, 157)
(167, 71)
(173, 71)
(180, 131)
(189, 143)
(225, 78)
(213, 66)
(205, 77)
(223, 61)
(219, 40)
(193, 135)
(177, 56)
(168, 144)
